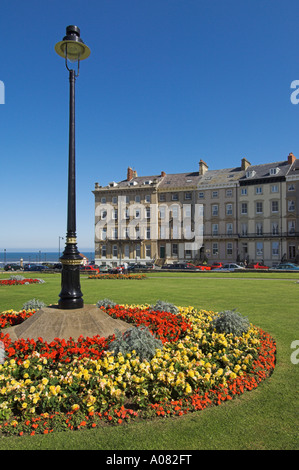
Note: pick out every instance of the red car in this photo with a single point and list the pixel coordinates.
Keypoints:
(217, 265)
(257, 266)
(202, 267)
(89, 268)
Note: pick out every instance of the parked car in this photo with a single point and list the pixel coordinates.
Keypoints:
(36, 267)
(217, 265)
(102, 269)
(89, 269)
(12, 267)
(57, 266)
(139, 267)
(231, 267)
(167, 266)
(201, 267)
(184, 266)
(257, 266)
(288, 266)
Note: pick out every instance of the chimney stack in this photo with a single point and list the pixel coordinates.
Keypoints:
(291, 158)
(245, 164)
(163, 174)
(129, 174)
(203, 167)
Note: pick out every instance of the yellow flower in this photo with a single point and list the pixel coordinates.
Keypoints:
(53, 389)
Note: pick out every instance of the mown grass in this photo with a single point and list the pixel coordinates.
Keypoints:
(266, 418)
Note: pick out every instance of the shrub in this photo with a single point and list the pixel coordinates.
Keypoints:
(16, 278)
(106, 303)
(138, 339)
(162, 306)
(34, 304)
(230, 321)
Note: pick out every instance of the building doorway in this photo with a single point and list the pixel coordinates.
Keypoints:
(162, 251)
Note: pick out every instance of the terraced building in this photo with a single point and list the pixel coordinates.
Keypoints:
(246, 213)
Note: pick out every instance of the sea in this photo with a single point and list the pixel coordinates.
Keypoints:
(36, 257)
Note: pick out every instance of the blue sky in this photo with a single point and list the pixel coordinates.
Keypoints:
(168, 82)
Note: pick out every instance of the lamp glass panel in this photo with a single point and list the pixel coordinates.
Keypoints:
(73, 50)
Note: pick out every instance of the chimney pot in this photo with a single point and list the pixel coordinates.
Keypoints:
(203, 167)
(291, 158)
(129, 174)
(245, 164)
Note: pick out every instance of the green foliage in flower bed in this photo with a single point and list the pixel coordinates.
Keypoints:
(230, 321)
(162, 306)
(33, 304)
(106, 303)
(138, 339)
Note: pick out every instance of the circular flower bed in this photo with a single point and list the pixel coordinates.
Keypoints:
(81, 384)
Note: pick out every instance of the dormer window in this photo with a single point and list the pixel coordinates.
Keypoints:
(274, 171)
(133, 183)
(250, 173)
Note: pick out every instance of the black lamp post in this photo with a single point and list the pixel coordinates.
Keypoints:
(73, 49)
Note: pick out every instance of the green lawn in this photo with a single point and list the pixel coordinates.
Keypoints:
(266, 418)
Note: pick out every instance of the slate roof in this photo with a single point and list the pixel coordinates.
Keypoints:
(179, 180)
(140, 180)
(264, 170)
(224, 176)
(220, 177)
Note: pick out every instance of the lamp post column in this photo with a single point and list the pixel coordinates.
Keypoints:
(71, 295)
